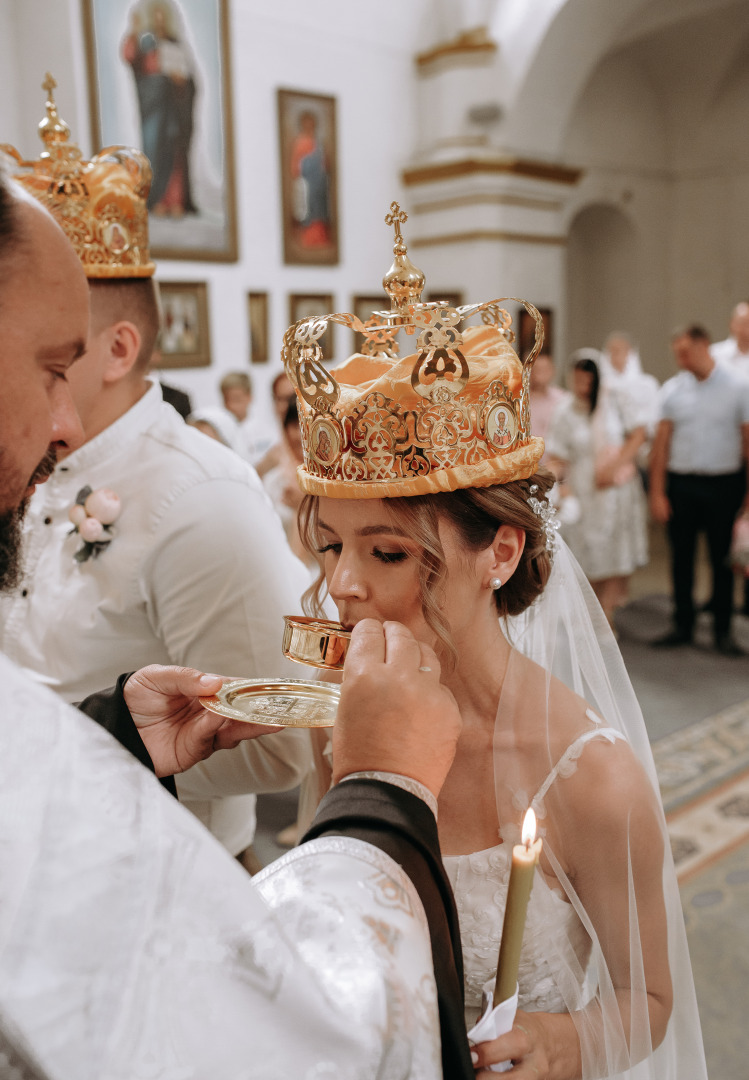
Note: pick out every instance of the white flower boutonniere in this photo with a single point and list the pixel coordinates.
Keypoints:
(93, 515)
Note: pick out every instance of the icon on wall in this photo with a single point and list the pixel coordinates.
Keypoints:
(307, 140)
(185, 339)
(159, 79)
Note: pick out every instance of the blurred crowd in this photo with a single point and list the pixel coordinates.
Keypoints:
(626, 450)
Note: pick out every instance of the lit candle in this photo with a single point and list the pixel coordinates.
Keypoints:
(525, 856)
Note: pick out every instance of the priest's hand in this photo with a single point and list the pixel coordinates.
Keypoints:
(175, 728)
(394, 714)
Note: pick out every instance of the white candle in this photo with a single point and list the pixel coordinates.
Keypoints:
(525, 856)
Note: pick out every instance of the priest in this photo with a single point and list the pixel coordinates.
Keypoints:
(131, 944)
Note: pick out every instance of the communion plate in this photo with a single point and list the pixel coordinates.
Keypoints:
(288, 703)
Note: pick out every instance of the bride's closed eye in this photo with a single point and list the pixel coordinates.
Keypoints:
(329, 547)
(390, 556)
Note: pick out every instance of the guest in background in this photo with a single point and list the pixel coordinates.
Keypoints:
(236, 393)
(218, 425)
(698, 479)
(284, 395)
(592, 446)
(282, 485)
(734, 351)
(621, 369)
(545, 396)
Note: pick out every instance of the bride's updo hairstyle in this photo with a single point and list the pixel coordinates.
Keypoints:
(476, 514)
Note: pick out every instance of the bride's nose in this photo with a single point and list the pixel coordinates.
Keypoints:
(347, 581)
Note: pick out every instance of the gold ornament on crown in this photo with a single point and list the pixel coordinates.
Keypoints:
(453, 414)
(101, 204)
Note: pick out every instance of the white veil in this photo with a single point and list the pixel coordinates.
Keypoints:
(567, 635)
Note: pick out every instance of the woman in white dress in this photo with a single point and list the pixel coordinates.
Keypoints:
(417, 515)
(592, 447)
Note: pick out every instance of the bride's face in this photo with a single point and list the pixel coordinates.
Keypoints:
(371, 567)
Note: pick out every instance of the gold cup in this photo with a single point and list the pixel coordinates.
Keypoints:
(315, 641)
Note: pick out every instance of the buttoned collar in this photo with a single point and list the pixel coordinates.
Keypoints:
(118, 435)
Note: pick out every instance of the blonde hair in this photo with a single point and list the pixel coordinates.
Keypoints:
(476, 514)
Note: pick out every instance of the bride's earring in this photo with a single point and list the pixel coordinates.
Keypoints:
(495, 583)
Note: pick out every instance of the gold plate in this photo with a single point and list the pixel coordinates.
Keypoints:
(288, 703)
(315, 641)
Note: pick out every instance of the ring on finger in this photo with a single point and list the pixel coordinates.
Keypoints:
(425, 669)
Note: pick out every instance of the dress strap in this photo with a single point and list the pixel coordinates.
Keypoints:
(567, 763)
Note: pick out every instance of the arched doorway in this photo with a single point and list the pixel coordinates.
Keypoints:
(601, 275)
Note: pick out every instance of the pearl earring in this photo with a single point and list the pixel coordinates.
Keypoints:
(495, 583)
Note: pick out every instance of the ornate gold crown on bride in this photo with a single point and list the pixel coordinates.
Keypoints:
(101, 204)
(453, 414)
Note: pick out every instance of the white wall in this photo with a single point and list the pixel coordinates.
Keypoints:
(351, 51)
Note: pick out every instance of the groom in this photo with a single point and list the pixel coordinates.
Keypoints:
(129, 940)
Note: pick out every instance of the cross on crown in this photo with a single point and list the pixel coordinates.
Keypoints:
(396, 218)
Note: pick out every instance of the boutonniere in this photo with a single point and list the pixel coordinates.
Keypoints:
(93, 515)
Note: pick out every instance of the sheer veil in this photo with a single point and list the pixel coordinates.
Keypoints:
(604, 989)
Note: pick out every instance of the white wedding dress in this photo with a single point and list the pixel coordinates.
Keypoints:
(480, 882)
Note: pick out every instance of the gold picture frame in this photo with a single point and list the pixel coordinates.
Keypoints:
(185, 338)
(257, 318)
(306, 305)
(309, 178)
(159, 79)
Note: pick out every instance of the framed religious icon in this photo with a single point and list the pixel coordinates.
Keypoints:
(526, 332)
(185, 339)
(363, 307)
(303, 306)
(159, 79)
(257, 311)
(309, 182)
(452, 296)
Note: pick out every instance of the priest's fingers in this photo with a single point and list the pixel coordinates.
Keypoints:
(146, 691)
(401, 647)
(367, 647)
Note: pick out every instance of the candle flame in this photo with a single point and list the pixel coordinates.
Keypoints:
(528, 833)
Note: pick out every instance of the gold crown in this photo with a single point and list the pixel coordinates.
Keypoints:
(454, 414)
(101, 204)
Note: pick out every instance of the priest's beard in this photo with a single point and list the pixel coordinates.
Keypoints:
(11, 532)
(10, 548)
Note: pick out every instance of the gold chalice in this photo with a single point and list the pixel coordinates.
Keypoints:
(316, 642)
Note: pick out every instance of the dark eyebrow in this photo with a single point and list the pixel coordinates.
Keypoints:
(74, 349)
(370, 530)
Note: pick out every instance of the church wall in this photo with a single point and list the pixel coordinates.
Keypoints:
(325, 48)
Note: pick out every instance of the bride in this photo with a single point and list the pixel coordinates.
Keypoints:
(418, 514)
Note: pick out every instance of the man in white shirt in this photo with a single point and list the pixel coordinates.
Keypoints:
(195, 570)
(734, 351)
(698, 477)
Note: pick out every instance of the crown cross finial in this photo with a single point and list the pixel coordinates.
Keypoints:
(49, 85)
(396, 218)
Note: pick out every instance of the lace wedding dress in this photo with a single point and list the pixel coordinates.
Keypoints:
(480, 882)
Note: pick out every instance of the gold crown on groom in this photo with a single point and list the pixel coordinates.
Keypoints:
(453, 414)
(100, 204)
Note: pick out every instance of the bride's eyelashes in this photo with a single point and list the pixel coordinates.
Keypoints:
(329, 547)
(387, 557)
(390, 556)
